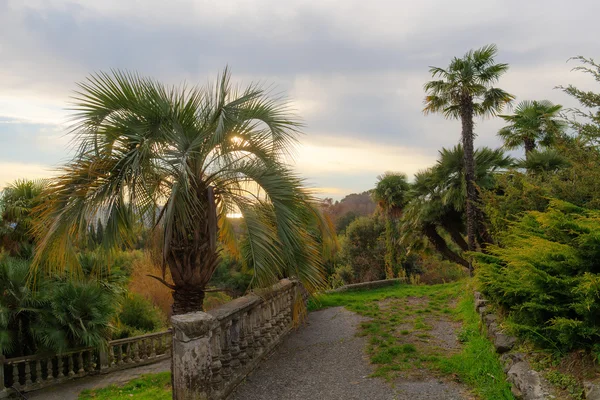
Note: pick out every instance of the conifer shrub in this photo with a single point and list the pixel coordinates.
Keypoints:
(546, 276)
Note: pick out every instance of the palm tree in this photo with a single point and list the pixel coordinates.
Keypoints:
(201, 154)
(549, 160)
(438, 198)
(533, 123)
(464, 91)
(17, 202)
(391, 194)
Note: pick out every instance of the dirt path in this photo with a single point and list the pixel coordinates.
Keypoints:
(326, 360)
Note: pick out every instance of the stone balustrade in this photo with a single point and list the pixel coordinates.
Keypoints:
(214, 351)
(25, 374)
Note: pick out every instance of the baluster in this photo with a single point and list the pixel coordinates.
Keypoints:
(276, 316)
(161, 348)
(38, 371)
(136, 352)
(61, 367)
(243, 342)
(81, 370)
(146, 343)
(15, 373)
(111, 356)
(27, 373)
(282, 309)
(91, 366)
(235, 343)
(266, 328)
(249, 335)
(216, 366)
(50, 373)
(71, 371)
(2, 368)
(128, 358)
(153, 347)
(256, 329)
(226, 350)
(119, 354)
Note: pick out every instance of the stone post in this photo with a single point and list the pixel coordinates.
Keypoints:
(192, 356)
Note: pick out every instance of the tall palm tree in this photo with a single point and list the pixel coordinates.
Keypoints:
(464, 90)
(533, 123)
(200, 153)
(391, 195)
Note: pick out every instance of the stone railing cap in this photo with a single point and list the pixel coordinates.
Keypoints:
(194, 324)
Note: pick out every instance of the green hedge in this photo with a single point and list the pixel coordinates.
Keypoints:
(546, 276)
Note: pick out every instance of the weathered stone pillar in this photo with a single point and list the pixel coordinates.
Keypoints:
(192, 358)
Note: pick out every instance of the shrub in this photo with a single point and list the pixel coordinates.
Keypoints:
(78, 315)
(143, 284)
(363, 249)
(343, 275)
(547, 276)
(140, 314)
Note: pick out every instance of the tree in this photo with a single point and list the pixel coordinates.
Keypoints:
(549, 160)
(590, 129)
(201, 153)
(438, 197)
(391, 195)
(533, 123)
(363, 249)
(464, 91)
(17, 202)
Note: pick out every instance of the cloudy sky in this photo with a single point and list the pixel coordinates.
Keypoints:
(354, 69)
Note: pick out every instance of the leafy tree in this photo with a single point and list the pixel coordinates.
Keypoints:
(464, 90)
(391, 195)
(17, 202)
(363, 249)
(345, 220)
(200, 152)
(590, 129)
(533, 123)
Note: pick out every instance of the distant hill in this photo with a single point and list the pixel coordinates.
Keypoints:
(352, 206)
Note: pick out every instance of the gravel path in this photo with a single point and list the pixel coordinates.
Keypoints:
(325, 360)
(71, 390)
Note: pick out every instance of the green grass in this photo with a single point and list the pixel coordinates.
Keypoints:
(148, 387)
(476, 365)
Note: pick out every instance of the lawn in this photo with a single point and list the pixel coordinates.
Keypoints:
(408, 332)
(148, 387)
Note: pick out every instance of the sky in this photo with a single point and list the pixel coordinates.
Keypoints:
(352, 69)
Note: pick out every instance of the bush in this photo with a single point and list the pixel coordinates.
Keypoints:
(343, 275)
(435, 271)
(79, 315)
(547, 276)
(363, 249)
(140, 314)
(143, 284)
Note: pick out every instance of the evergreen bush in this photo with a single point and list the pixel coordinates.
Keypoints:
(546, 276)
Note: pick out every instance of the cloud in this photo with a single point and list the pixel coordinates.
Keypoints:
(11, 171)
(353, 69)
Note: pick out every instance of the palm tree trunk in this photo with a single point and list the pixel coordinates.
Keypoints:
(469, 160)
(193, 255)
(455, 234)
(442, 247)
(529, 145)
(187, 300)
